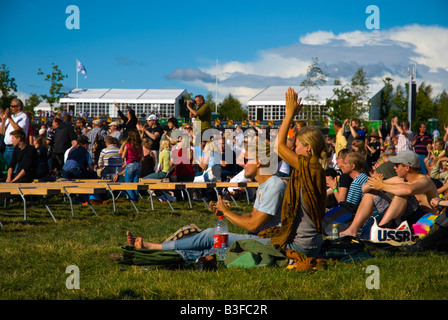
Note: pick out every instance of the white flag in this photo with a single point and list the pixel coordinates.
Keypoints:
(80, 68)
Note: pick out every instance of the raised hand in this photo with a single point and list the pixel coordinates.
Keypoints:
(292, 105)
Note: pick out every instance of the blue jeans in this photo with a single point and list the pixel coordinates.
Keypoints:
(8, 154)
(200, 244)
(422, 164)
(132, 174)
(156, 175)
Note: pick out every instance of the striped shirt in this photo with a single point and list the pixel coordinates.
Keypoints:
(110, 158)
(421, 146)
(355, 194)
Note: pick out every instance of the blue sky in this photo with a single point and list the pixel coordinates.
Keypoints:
(175, 44)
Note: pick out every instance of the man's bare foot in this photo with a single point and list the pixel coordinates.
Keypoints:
(138, 243)
(131, 238)
(346, 233)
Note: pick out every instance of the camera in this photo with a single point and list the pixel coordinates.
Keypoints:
(184, 101)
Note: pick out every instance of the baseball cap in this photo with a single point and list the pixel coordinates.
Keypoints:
(114, 123)
(152, 117)
(406, 157)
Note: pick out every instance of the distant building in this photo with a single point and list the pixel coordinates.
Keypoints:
(269, 104)
(99, 102)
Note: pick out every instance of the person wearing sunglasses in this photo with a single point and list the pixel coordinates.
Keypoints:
(13, 119)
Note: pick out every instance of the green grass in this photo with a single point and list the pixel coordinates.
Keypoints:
(34, 258)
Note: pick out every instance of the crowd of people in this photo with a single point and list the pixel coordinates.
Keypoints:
(393, 175)
(126, 150)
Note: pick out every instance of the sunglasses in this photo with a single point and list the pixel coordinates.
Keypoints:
(246, 160)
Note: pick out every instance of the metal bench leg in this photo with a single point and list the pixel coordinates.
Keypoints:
(48, 208)
(113, 198)
(150, 197)
(188, 196)
(71, 202)
(91, 207)
(169, 203)
(24, 205)
(233, 199)
(135, 207)
(247, 195)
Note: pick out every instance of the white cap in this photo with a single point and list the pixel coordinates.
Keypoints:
(152, 117)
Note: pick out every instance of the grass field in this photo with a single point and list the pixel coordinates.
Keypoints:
(34, 258)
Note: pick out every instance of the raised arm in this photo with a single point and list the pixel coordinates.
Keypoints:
(292, 108)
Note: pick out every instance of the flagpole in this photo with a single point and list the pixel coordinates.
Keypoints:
(216, 99)
(76, 73)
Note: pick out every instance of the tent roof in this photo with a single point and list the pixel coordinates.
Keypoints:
(275, 95)
(124, 95)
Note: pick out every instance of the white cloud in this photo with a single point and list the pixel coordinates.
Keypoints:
(318, 37)
(431, 44)
(380, 52)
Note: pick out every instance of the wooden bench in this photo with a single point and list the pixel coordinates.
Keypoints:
(24, 190)
(55, 188)
(99, 184)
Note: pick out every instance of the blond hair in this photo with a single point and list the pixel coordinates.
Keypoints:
(315, 139)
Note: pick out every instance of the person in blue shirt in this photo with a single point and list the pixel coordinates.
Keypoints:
(79, 164)
(355, 132)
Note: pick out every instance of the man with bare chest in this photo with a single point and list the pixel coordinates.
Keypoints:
(411, 195)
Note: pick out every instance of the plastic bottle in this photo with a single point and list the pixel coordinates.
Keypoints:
(220, 239)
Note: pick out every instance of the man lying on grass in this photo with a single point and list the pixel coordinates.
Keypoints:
(265, 213)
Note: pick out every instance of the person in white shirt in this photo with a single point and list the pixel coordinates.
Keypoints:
(13, 119)
(404, 137)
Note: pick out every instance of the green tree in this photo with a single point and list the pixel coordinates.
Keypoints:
(231, 108)
(359, 89)
(386, 98)
(399, 103)
(210, 102)
(7, 87)
(340, 106)
(32, 102)
(315, 77)
(441, 104)
(426, 108)
(350, 100)
(55, 78)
